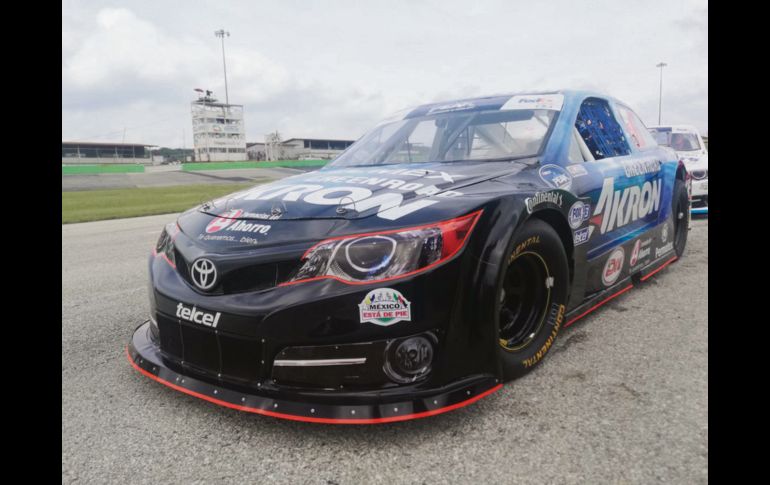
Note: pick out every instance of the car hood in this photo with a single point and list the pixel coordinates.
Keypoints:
(694, 162)
(388, 191)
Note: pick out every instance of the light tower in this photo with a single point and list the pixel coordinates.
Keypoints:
(661, 65)
(221, 33)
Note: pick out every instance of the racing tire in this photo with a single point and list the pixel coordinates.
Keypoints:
(680, 209)
(532, 292)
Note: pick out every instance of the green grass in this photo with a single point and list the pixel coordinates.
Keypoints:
(80, 169)
(96, 205)
(246, 164)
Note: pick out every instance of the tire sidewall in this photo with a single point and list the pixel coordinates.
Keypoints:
(536, 236)
(679, 204)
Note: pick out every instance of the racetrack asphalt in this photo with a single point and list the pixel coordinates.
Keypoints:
(621, 398)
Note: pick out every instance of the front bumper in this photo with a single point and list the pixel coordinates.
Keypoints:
(333, 407)
(700, 193)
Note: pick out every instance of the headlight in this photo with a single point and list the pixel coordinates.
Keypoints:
(368, 258)
(165, 245)
(700, 174)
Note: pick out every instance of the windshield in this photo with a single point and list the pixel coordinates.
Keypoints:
(452, 136)
(681, 142)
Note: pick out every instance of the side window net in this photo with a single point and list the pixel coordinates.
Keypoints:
(600, 131)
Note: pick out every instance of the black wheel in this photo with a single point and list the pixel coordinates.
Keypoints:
(532, 295)
(680, 209)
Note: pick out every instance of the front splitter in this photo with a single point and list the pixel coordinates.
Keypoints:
(145, 357)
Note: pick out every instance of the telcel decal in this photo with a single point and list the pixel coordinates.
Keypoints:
(385, 306)
(581, 235)
(197, 316)
(616, 208)
(613, 267)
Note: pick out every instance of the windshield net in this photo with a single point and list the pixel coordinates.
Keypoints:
(451, 137)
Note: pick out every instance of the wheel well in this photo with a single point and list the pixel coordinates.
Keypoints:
(680, 172)
(556, 220)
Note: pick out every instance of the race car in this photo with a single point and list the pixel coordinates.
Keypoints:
(689, 147)
(438, 257)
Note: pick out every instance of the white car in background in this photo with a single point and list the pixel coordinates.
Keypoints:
(689, 147)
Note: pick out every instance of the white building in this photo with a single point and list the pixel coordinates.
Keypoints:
(301, 149)
(218, 130)
(85, 152)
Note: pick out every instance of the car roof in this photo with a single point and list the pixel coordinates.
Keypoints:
(677, 128)
(494, 101)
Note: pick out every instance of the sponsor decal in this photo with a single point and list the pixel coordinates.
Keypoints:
(451, 107)
(262, 215)
(639, 253)
(228, 222)
(580, 236)
(197, 316)
(537, 101)
(578, 213)
(208, 237)
(664, 249)
(641, 167)
(555, 318)
(384, 306)
(543, 198)
(577, 170)
(523, 245)
(613, 267)
(664, 233)
(556, 176)
(616, 208)
(390, 205)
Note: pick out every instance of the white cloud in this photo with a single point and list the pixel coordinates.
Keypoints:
(319, 69)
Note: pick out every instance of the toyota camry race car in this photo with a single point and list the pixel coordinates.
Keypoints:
(689, 147)
(436, 258)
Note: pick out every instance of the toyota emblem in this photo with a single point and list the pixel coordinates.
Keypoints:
(204, 273)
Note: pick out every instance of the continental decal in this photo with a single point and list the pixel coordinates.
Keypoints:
(524, 245)
(557, 314)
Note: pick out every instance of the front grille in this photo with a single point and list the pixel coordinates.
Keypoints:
(245, 278)
(700, 201)
(213, 354)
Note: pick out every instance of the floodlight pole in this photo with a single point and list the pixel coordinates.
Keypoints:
(661, 65)
(221, 33)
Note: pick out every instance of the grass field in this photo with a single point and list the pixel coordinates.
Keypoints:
(81, 169)
(246, 164)
(96, 205)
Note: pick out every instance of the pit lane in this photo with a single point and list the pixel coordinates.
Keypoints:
(622, 397)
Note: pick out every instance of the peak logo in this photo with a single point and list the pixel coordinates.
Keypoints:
(616, 208)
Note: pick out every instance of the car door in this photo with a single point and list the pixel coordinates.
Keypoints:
(624, 183)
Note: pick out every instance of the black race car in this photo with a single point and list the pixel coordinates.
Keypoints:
(436, 258)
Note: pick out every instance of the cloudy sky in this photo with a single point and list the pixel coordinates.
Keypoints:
(332, 69)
